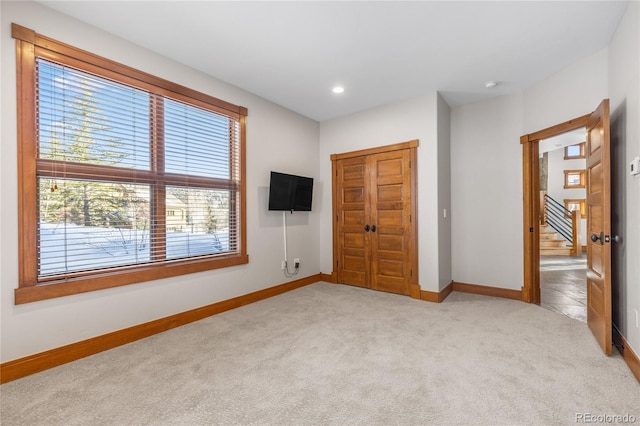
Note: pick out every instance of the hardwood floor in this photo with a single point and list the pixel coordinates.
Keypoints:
(563, 285)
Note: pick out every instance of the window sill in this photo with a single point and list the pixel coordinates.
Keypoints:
(72, 286)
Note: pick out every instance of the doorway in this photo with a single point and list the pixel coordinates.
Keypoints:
(531, 211)
(563, 262)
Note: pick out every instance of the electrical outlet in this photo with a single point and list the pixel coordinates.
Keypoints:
(296, 262)
(284, 264)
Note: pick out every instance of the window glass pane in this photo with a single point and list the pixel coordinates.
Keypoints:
(196, 141)
(198, 222)
(573, 151)
(85, 225)
(573, 205)
(88, 119)
(573, 179)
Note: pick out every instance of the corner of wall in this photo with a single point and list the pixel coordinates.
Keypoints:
(624, 94)
(444, 192)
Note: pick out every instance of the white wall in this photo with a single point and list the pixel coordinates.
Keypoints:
(555, 183)
(575, 91)
(624, 88)
(486, 193)
(398, 122)
(275, 140)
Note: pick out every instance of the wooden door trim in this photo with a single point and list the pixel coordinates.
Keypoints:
(413, 244)
(334, 217)
(531, 229)
(531, 203)
(558, 129)
(412, 146)
(377, 150)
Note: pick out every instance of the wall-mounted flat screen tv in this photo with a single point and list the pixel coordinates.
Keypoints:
(290, 192)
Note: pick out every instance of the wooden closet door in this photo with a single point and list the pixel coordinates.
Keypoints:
(374, 237)
(391, 247)
(353, 211)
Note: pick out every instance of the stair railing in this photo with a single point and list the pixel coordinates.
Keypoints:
(543, 207)
(565, 222)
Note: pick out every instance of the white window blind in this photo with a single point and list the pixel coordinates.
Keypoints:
(129, 177)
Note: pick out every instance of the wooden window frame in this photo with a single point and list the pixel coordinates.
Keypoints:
(581, 201)
(583, 179)
(574, 157)
(29, 46)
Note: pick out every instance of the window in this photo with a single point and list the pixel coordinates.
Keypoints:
(124, 177)
(574, 151)
(576, 204)
(574, 179)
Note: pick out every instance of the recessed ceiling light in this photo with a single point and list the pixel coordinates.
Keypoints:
(490, 84)
(338, 89)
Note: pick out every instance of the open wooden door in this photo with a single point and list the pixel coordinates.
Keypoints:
(599, 226)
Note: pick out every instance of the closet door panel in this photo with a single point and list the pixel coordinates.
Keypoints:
(353, 212)
(390, 200)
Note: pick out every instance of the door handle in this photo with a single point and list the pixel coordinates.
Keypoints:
(366, 228)
(373, 228)
(595, 237)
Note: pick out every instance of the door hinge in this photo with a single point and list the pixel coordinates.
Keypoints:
(337, 218)
(531, 229)
(411, 273)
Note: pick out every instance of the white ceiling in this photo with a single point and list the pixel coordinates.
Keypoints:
(292, 53)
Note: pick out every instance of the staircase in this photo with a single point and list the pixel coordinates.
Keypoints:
(552, 244)
(559, 229)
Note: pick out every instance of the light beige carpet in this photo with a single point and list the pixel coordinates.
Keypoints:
(337, 355)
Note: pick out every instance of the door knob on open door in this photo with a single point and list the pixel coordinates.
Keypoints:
(595, 237)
